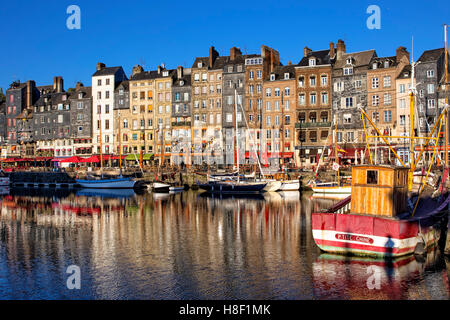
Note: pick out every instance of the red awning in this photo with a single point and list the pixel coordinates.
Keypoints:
(74, 159)
(91, 159)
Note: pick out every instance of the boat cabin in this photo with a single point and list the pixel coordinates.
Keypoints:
(379, 190)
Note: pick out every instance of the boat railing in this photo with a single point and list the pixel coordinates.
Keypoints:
(342, 206)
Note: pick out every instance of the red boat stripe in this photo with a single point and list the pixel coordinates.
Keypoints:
(350, 245)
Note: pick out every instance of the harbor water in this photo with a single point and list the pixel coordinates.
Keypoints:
(189, 246)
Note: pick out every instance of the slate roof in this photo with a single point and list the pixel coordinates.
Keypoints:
(17, 85)
(361, 58)
(431, 55)
(107, 71)
(381, 60)
(322, 57)
(53, 99)
(405, 73)
(124, 84)
(279, 72)
(145, 75)
(86, 90)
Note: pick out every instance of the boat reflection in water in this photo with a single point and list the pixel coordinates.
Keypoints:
(106, 193)
(380, 279)
(179, 246)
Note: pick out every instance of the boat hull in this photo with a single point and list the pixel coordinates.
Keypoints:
(160, 187)
(369, 235)
(124, 183)
(332, 190)
(272, 186)
(293, 185)
(233, 188)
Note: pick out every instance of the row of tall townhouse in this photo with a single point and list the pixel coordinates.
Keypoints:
(285, 114)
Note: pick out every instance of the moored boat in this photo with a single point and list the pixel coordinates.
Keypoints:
(233, 187)
(289, 185)
(376, 219)
(160, 187)
(331, 188)
(119, 183)
(272, 186)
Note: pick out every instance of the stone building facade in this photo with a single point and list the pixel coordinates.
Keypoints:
(279, 116)
(349, 95)
(81, 120)
(382, 98)
(181, 117)
(314, 119)
(163, 114)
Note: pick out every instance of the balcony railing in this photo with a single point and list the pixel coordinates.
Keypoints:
(312, 125)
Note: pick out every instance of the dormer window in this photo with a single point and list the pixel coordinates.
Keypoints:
(181, 83)
(349, 61)
(64, 97)
(200, 65)
(46, 100)
(374, 65)
(272, 77)
(286, 76)
(165, 73)
(80, 96)
(386, 64)
(312, 62)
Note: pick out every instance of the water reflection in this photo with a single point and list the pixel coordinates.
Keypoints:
(183, 246)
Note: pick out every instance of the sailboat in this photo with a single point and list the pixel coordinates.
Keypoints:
(234, 186)
(108, 183)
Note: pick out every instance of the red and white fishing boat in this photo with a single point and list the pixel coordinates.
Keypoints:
(376, 220)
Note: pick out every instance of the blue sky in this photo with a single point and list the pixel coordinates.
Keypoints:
(36, 43)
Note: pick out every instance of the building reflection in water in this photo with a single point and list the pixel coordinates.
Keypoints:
(183, 246)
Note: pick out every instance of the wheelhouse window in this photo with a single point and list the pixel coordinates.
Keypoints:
(372, 177)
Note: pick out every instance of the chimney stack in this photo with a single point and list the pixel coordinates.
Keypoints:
(400, 53)
(179, 72)
(332, 50)
(58, 84)
(159, 69)
(100, 66)
(78, 86)
(30, 88)
(340, 48)
(289, 63)
(136, 70)
(234, 52)
(213, 54)
(306, 51)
